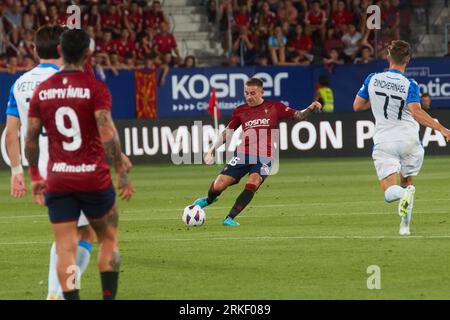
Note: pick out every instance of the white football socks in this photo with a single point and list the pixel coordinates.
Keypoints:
(393, 193)
(83, 257)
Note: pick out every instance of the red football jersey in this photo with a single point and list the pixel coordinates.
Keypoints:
(165, 42)
(257, 123)
(66, 103)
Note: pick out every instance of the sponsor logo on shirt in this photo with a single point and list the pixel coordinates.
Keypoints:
(256, 123)
(64, 167)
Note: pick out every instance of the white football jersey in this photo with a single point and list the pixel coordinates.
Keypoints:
(18, 105)
(389, 93)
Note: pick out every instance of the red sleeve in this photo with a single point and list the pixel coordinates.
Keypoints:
(235, 122)
(102, 97)
(284, 112)
(34, 111)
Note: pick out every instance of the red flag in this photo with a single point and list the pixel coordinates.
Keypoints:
(212, 103)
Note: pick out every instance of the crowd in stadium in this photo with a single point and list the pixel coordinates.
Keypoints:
(303, 32)
(136, 34)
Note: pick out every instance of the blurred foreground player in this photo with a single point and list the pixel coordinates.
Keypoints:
(75, 110)
(45, 45)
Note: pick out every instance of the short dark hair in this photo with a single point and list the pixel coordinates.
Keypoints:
(74, 43)
(425, 95)
(324, 80)
(254, 82)
(47, 40)
(399, 51)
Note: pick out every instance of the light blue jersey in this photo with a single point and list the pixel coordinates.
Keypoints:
(389, 94)
(18, 104)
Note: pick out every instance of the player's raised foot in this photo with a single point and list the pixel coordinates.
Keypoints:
(203, 202)
(404, 228)
(228, 222)
(406, 200)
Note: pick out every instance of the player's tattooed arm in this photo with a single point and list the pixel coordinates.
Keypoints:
(304, 114)
(113, 152)
(32, 141)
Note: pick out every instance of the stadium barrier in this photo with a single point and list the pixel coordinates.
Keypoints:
(185, 140)
(187, 90)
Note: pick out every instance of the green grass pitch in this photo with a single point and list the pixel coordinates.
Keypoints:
(311, 232)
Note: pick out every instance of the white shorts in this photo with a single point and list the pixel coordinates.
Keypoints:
(82, 220)
(401, 157)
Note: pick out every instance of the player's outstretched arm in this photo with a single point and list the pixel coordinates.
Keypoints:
(32, 154)
(361, 104)
(426, 120)
(113, 152)
(304, 114)
(18, 187)
(223, 137)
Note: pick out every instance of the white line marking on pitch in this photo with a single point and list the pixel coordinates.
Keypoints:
(256, 238)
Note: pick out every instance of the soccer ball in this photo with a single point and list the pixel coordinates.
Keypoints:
(193, 216)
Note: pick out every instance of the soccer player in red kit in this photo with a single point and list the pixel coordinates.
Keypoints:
(75, 110)
(254, 155)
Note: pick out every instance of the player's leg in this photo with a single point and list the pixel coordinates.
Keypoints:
(66, 239)
(411, 163)
(64, 211)
(86, 237)
(217, 187)
(84, 249)
(253, 182)
(108, 256)
(103, 217)
(387, 166)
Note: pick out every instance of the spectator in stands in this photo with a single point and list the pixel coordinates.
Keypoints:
(129, 60)
(133, 19)
(390, 17)
(287, 12)
(166, 43)
(124, 44)
(26, 46)
(12, 65)
(366, 56)
(3, 62)
(263, 60)
(30, 20)
(14, 15)
(145, 45)
(233, 61)
(154, 17)
(189, 62)
(106, 44)
(212, 11)
(341, 17)
(112, 20)
(93, 18)
(242, 17)
(332, 60)
(425, 101)
(316, 19)
(300, 43)
(277, 43)
(265, 19)
(351, 39)
(244, 46)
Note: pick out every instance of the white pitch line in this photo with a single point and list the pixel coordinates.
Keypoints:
(257, 238)
(124, 217)
(281, 205)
